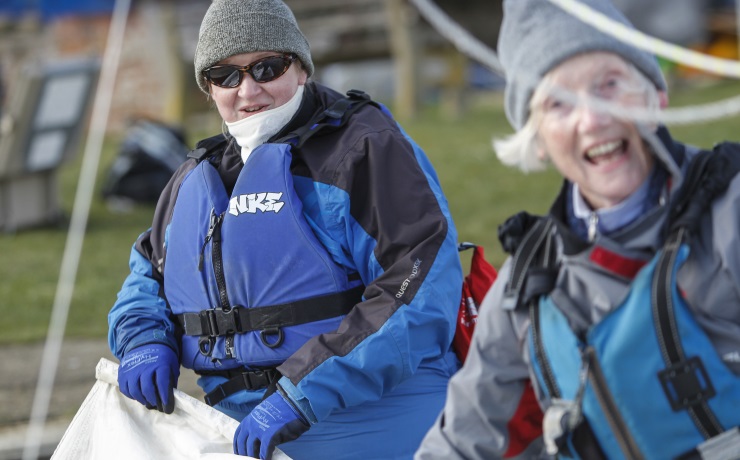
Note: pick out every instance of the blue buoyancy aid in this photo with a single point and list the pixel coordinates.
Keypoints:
(616, 376)
(245, 272)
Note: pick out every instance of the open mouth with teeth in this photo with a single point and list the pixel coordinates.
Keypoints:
(252, 110)
(606, 152)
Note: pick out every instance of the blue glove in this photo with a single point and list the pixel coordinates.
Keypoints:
(274, 421)
(149, 375)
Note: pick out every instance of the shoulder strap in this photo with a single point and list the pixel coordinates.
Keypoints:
(684, 379)
(330, 119)
(708, 175)
(208, 147)
(533, 268)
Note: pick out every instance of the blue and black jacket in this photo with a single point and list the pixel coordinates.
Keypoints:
(373, 203)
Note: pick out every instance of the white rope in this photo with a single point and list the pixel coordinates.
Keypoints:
(76, 234)
(675, 116)
(694, 59)
(461, 38)
(475, 49)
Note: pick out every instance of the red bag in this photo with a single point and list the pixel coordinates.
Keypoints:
(526, 424)
(474, 288)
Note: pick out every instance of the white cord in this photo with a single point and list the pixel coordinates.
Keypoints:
(694, 59)
(76, 234)
(472, 47)
(461, 38)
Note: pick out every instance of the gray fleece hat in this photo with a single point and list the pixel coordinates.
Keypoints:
(233, 27)
(537, 35)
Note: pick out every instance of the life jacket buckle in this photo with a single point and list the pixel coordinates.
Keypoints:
(272, 331)
(227, 321)
(218, 322)
(686, 383)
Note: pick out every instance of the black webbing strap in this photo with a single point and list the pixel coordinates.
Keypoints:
(524, 265)
(334, 117)
(217, 322)
(207, 147)
(708, 175)
(248, 380)
(533, 274)
(685, 381)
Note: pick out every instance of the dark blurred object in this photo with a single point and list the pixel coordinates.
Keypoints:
(149, 154)
(43, 118)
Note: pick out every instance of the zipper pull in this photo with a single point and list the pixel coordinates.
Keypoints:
(215, 230)
(586, 357)
(229, 346)
(209, 235)
(593, 222)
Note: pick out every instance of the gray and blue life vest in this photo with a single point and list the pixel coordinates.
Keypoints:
(645, 381)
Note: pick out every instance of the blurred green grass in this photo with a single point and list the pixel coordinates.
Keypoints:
(481, 194)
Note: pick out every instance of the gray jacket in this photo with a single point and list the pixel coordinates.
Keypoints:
(484, 395)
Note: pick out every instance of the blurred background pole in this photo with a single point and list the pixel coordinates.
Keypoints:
(76, 233)
(737, 24)
(405, 51)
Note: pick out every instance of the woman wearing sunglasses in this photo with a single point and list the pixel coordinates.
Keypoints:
(304, 264)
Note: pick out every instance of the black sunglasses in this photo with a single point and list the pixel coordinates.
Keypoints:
(262, 71)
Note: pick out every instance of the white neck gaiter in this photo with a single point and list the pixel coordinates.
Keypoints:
(253, 131)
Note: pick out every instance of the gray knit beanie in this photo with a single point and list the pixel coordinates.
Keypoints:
(233, 27)
(537, 35)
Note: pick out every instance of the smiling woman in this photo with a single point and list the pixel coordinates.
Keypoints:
(272, 82)
(603, 155)
(592, 288)
(316, 307)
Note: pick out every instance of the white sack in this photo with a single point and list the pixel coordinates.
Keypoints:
(111, 426)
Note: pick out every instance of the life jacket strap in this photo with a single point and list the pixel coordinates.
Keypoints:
(331, 119)
(208, 146)
(534, 257)
(248, 380)
(685, 381)
(218, 322)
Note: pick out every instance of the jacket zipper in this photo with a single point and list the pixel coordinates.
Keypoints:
(218, 263)
(608, 406)
(539, 350)
(214, 236)
(593, 222)
(209, 235)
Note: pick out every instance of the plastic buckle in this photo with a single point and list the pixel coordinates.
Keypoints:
(209, 323)
(218, 322)
(226, 321)
(254, 380)
(686, 383)
(216, 396)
